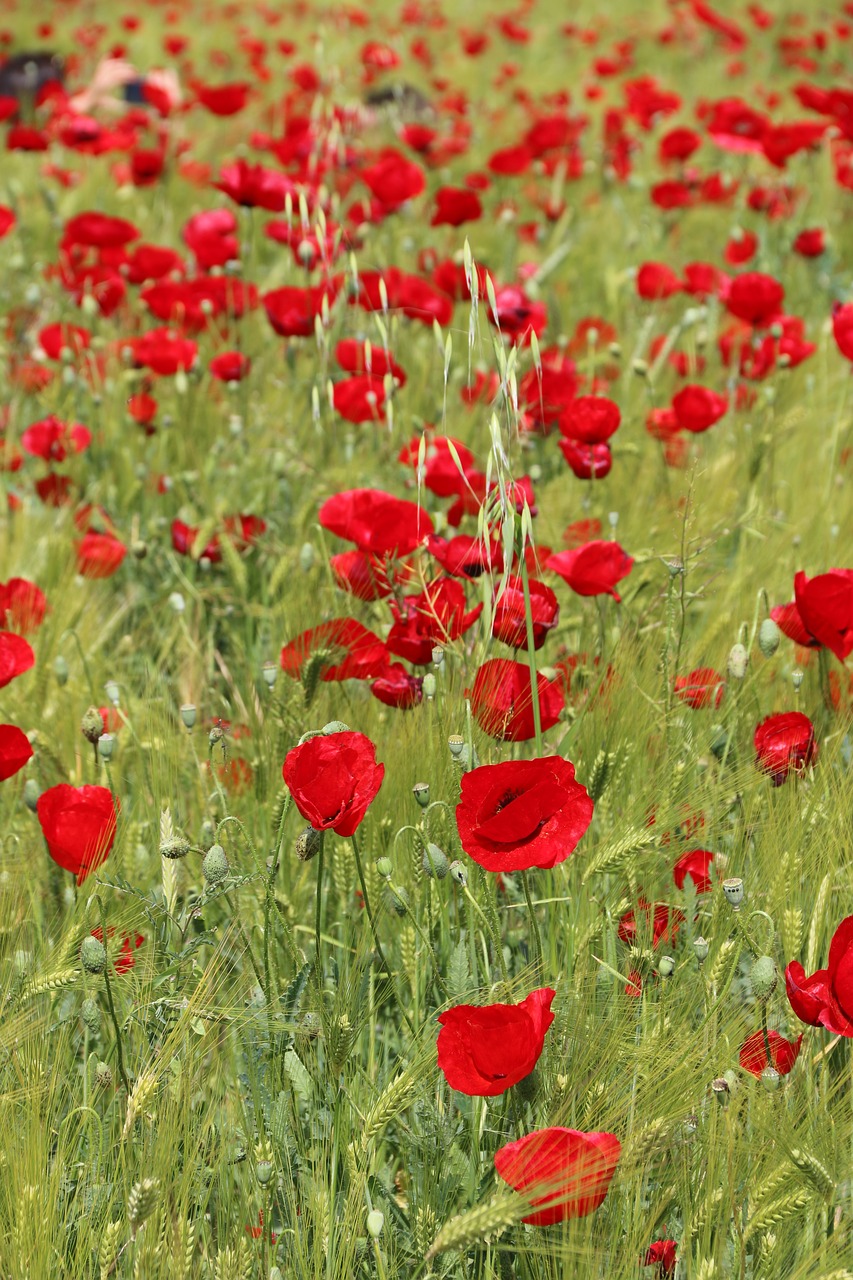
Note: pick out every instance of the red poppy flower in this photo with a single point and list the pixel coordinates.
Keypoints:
(211, 237)
(223, 99)
(22, 604)
(825, 999)
(788, 620)
(696, 864)
(56, 338)
(52, 439)
(825, 605)
(359, 399)
(755, 298)
(230, 366)
(564, 1170)
(254, 187)
(581, 531)
(465, 556)
(656, 280)
(350, 651)
(163, 351)
(397, 687)
(333, 780)
(590, 419)
(154, 262)
(484, 1050)
(741, 248)
(375, 521)
(125, 959)
(79, 825)
(704, 687)
(509, 622)
(784, 1053)
(698, 408)
(516, 315)
(16, 657)
(190, 304)
(360, 574)
(501, 701)
(99, 555)
(783, 742)
(98, 231)
(842, 328)
(810, 243)
(592, 569)
(435, 616)
(15, 750)
(587, 461)
(446, 463)
(661, 1254)
(522, 813)
(455, 206)
(362, 357)
(292, 312)
(7, 220)
(663, 921)
(394, 179)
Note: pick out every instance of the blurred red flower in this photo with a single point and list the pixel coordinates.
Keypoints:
(784, 1053)
(502, 704)
(783, 742)
(79, 826)
(15, 750)
(564, 1170)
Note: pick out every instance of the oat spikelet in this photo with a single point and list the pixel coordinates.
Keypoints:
(485, 1220)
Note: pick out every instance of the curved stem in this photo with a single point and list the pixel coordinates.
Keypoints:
(372, 920)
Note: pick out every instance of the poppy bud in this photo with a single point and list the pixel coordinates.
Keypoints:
(733, 889)
(429, 686)
(93, 955)
(421, 793)
(437, 656)
(768, 637)
(60, 670)
(270, 672)
(308, 844)
(91, 1015)
(112, 691)
(666, 966)
(375, 1223)
(640, 367)
(399, 900)
(31, 794)
(306, 557)
(738, 662)
(701, 949)
(92, 725)
(458, 872)
(435, 862)
(214, 866)
(175, 847)
(335, 726)
(138, 549)
(106, 746)
(763, 977)
(103, 1076)
(771, 1079)
(384, 868)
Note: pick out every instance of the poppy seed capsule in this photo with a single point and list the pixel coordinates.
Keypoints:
(92, 725)
(720, 1088)
(768, 637)
(738, 662)
(666, 966)
(106, 746)
(421, 793)
(435, 862)
(456, 742)
(270, 673)
(458, 872)
(93, 955)
(384, 868)
(175, 847)
(308, 844)
(429, 686)
(375, 1223)
(763, 976)
(188, 714)
(771, 1079)
(701, 949)
(263, 1172)
(31, 794)
(214, 865)
(733, 889)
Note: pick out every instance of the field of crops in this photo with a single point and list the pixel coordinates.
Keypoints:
(426, 618)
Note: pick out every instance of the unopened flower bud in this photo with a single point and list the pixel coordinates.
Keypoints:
(92, 725)
(103, 1076)
(769, 636)
(421, 793)
(93, 955)
(771, 1079)
(334, 726)
(106, 746)
(31, 794)
(138, 549)
(640, 367)
(60, 670)
(174, 848)
(701, 949)
(738, 662)
(733, 889)
(429, 686)
(176, 602)
(188, 714)
(666, 966)
(308, 844)
(91, 1015)
(112, 691)
(763, 975)
(306, 557)
(399, 900)
(435, 862)
(214, 865)
(384, 868)
(375, 1223)
(458, 872)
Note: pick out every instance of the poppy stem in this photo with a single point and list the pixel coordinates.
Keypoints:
(766, 1033)
(112, 1008)
(531, 656)
(534, 923)
(318, 922)
(372, 920)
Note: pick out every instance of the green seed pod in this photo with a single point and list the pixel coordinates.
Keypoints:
(91, 1015)
(769, 636)
(175, 847)
(270, 673)
(429, 686)
(93, 955)
(334, 726)
(435, 862)
(111, 689)
(701, 949)
(214, 866)
(31, 794)
(421, 793)
(771, 1079)
(399, 900)
(720, 1088)
(384, 868)
(92, 725)
(188, 714)
(738, 661)
(733, 889)
(375, 1223)
(107, 746)
(138, 549)
(308, 844)
(763, 975)
(60, 670)
(263, 1172)
(666, 966)
(456, 742)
